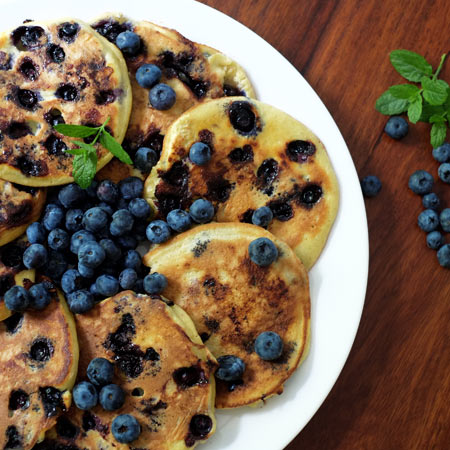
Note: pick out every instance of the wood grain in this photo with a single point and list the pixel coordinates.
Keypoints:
(394, 390)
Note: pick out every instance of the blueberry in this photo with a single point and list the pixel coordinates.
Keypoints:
(68, 31)
(199, 153)
(132, 260)
(85, 395)
(396, 127)
(444, 172)
(56, 265)
(107, 285)
(74, 220)
(122, 204)
(100, 371)
(91, 191)
(127, 242)
(263, 251)
(127, 278)
(131, 187)
(85, 271)
(201, 211)
(431, 201)
(17, 298)
(428, 220)
(148, 75)
(262, 217)
(71, 196)
(435, 240)
(112, 251)
(443, 256)
(112, 397)
(79, 238)
(145, 158)
(53, 217)
(421, 182)
(139, 286)
(158, 232)
(58, 239)
(125, 428)
(39, 296)
(108, 192)
(36, 233)
(139, 208)
(91, 254)
(269, 345)
(231, 368)
(155, 283)
(370, 185)
(179, 220)
(128, 42)
(35, 256)
(444, 219)
(80, 301)
(162, 97)
(72, 281)
(122, 222)
(107, 208)
(442, 153)
(94, 219)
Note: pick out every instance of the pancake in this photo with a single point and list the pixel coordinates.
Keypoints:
(19, 206)
(276, 161)
(150, 343)
(231, 301)
(12, 271)
(196, 72)
(89, 85)
(38, 367)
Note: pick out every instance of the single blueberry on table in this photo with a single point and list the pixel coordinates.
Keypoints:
(201, 211)
(179, 220)
(35, 256)
(58, 239)
(431, 201)
(80, 301)
(199, 153)
(444, 172)
(132, 260)
(435, 240)
(79, 238)
(262, 217)
(443, 256)
(108, 192)
(421, 182)
(231, 368)
(444, 219)
(107, 285)
(100, 371)
(139, 208)
(129, 43)
(428, 220)
(145, 158)
(74, 220)
(155, 283)
(72, 281)
(370, 185)
(53, 217)
(162, 97)
(71, 195)
(263, 251)
(112, 397)
(95, 219)
(125, 428)
(36, 233)
(269, 345)
(442, 153)
(148, 75)
(127, 278)
(158, 232)
(17, 298)
(131, 187)
(39, 296)
(396, 127)
(85, 395)
(112, 251)
(91, 254)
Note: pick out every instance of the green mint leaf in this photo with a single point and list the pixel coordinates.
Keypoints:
(389, 105)
(410, 65)
(79, 131)
(84, 169)
(89, 148)
(438, 133)
(415, 109)
(437, 118)
(404, 91)
(114, 147)
(76, 151)
(434, 91)
(430, 110)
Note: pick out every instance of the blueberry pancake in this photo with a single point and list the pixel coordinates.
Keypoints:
(38, 367)
(160, 363)
(231, 300)
(260, 156)
(19, 206)
(50, 73)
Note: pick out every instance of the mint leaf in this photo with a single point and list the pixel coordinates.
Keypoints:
(415, 109)
(403, 91)
(75, 151)
(86, 147)
(80, 131)
(389, 105)
(410, 65)
(84, 169)
(437, 118)
(434, 91)
(438, 133)
(430, 110)
(114, 147)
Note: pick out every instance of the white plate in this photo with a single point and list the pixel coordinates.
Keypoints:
(338, 280)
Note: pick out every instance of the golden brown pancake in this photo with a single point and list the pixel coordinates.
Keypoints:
(160, 363)
(38, 367)
(46, 78)
(19, 206)
(231, 300)
(274, 160)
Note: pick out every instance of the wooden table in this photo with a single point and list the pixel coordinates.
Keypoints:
(394, 391)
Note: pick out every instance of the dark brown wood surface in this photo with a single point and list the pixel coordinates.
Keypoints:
(394, 391)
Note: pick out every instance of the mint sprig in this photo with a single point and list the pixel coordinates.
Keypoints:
(84, 166)
(429, 102)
